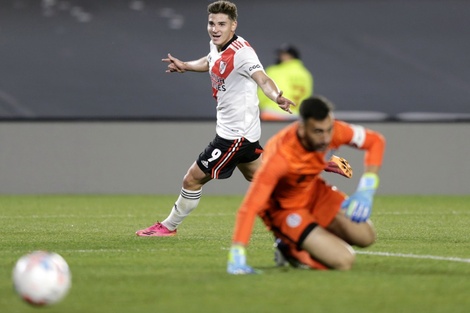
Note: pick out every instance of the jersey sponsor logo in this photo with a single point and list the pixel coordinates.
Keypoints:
(254, 67)
(218, 83)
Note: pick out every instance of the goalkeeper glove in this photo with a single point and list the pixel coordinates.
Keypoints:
(358, 206)
(236, 264)
(339, 166)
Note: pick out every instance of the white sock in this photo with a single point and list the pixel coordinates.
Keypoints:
(187, 201)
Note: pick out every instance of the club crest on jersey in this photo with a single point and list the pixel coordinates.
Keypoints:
(222, 67)
(293, 220)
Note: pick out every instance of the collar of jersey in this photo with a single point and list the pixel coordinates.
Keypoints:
(235, 37)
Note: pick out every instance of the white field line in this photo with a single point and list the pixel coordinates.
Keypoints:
(415, 256)
(375, 253)
(421, 213)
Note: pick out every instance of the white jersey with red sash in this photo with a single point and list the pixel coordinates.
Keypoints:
(234, 89)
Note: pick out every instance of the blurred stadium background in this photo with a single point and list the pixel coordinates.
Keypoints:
(100, 59)
(86, 107)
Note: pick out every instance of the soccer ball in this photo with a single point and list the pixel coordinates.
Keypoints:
(42, 278)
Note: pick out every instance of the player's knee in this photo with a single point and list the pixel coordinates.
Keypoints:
(345, 262)
(188, 182)
(195, 178)
(367, 241)
(191, 184)
(367, 238)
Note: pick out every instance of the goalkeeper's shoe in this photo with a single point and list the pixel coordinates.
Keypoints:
(156, 230)
(339, 166)
(279, 252)
(284, 257)
(279, 258)
(301, 259)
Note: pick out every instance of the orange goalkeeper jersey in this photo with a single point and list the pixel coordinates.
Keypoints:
(288, 171)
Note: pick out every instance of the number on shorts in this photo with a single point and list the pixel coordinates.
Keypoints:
(216, 153)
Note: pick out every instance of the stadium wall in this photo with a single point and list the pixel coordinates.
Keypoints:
(152, 157)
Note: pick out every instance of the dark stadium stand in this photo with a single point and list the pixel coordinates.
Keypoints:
(396, 60)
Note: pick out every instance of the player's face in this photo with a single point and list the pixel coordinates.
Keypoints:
(221, 29)
(316, 135)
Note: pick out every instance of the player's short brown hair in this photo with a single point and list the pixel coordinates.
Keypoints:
(224, 7)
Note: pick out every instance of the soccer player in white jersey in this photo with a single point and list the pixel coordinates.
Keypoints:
(235, 73)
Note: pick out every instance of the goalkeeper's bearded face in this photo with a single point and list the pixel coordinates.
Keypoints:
(316, 135)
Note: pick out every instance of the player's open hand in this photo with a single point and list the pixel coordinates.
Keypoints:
(174, 64)
(358, 206)
(284, 103)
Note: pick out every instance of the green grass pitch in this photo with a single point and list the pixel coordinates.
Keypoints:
(420, 262)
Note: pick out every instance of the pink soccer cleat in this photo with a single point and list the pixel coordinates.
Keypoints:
(157, 230)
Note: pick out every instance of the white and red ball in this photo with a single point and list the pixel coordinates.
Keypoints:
(42, 278)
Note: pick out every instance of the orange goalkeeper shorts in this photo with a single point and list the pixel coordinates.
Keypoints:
(293, 225)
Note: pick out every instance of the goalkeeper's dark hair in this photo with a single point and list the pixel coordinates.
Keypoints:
(316, 107)
(224, 7)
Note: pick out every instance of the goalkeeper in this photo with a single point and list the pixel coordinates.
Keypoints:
(314, 223)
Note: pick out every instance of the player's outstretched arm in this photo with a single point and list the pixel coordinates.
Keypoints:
(270, 89)
(176, 65)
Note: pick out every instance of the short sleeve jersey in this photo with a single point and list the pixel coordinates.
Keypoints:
(234, 89)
